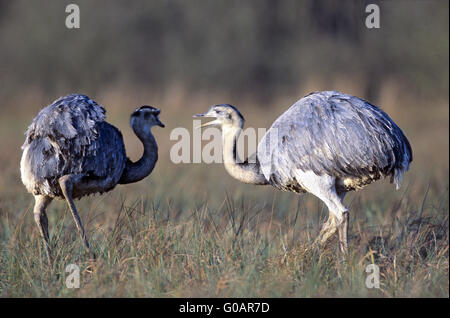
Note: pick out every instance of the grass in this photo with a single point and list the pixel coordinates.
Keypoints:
(232, 250)
(190, 230)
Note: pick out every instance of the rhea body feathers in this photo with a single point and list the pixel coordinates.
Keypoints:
(71, 136)
(330, 133)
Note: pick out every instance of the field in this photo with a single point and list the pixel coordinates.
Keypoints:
(190, 230)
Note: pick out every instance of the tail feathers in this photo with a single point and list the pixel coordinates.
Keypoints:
(398, 175)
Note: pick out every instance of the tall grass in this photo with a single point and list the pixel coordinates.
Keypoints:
(235, 249)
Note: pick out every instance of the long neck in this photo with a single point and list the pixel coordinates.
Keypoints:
(247, 172)
(135, 171)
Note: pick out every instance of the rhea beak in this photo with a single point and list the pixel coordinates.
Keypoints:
(211, 123)
(159, 122)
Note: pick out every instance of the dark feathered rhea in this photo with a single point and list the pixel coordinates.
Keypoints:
(150, 109)
(70, 136)
(71, 151)
(331, 133)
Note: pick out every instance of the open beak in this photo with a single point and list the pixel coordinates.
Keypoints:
(210, 123)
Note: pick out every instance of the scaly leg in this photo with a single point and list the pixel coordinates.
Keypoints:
(343, 229)
(327, 231)
(40, 217)
(66, 185)
(343, 233)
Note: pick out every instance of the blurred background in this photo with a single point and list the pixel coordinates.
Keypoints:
(259, 55)
(261, 48)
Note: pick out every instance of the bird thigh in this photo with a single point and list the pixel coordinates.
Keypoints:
(324, 188)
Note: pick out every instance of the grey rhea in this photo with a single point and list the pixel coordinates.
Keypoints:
(71, 151)
(327, 143)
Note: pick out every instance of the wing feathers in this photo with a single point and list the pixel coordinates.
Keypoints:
(335, 134)
(63, 135)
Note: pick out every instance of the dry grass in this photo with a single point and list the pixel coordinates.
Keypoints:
(191, 230)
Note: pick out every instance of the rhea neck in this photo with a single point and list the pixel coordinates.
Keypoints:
(247, 172)
(136, 171)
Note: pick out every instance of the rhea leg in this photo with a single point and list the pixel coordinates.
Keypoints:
(66, 183)
(343, 233)
(343, 229)
(40, 217)
(337, 220)
(324, 188)
(328, 230)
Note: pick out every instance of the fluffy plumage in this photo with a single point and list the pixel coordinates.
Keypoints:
(331, 133)
(71, 151)
(70, 136)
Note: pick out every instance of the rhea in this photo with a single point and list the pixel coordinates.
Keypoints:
(327, 143)
(71, 151)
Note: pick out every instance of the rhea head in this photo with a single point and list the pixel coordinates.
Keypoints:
(144, 118)
(226, 116)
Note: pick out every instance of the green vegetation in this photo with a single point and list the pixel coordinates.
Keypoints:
(239, 248)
